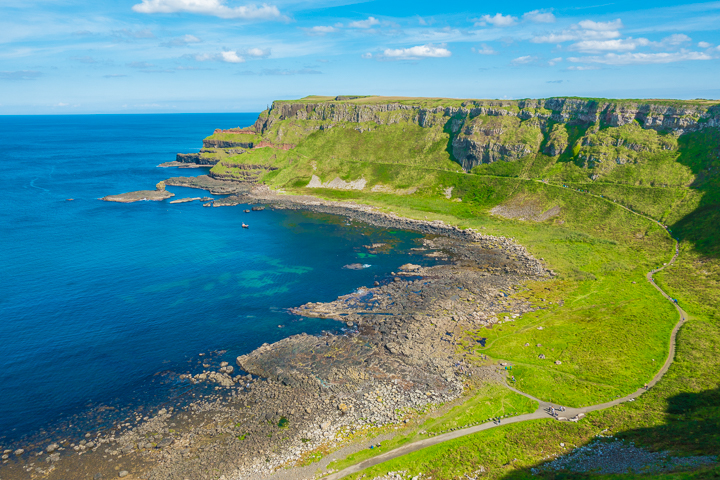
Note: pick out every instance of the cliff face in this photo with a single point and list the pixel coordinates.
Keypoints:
(487, 131)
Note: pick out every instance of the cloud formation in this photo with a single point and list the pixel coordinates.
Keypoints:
(228, 56)
(585, 30)
(539, 16)
(420, 51)
(215, 8)
(615, 45)
(498, 20)
(484, 50)
(524, 60)
(371, 21)
(641, 58)
(258, 52)
(231, 57)
(20, 75)
(320, 30)
(181, 41)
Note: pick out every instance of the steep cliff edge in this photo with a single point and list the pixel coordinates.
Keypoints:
(486, 131)
(375, 138)
(661, 156)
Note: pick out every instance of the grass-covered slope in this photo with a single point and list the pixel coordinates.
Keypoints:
(608, 327)
(661, 157)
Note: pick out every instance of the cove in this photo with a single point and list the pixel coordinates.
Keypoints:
(104, 304)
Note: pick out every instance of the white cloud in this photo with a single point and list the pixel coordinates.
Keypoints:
(642, 58)
(364, 23)
(524, 60)
(258, 52)
(576, 34)
(601, 26)
(704, 44)
(619, 44)
(367, 55)
(539, 16)
(181, 41)
(583, 67)
(231, 57)
(215, 8)
(676, 39)
(554, 61)
(420, 51)
(320, 30)
(484, 50)
(585, 30)
(498, 20)
(140, 65)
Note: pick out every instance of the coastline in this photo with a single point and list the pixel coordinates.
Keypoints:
(386, 372)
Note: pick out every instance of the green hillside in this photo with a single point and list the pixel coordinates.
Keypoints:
(553, 174)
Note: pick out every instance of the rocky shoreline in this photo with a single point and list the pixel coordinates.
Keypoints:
(404, 350)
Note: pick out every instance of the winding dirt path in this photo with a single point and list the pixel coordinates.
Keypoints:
(545, 409)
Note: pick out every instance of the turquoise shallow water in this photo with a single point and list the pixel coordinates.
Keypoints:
(103, 304)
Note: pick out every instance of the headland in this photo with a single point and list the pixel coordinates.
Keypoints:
(437, 335)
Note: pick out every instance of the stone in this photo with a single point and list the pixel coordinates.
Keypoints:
(123, 473)
(19, 451)
(165, 442)
(52, 447)
(558, 362)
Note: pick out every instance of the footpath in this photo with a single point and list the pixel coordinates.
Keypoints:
(545, 409)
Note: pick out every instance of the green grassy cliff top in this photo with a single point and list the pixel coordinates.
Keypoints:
(450, 102)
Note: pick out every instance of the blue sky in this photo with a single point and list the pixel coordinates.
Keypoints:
(135, 56)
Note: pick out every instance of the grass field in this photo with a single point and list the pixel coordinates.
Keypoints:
(608, 327)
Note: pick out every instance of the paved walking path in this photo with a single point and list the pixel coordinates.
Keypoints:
(544, 408)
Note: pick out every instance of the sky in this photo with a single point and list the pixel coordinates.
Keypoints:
(186, 56)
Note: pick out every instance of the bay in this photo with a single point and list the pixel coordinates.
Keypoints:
(103, 305)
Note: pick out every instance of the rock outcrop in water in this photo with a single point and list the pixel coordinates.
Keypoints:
(141, 195)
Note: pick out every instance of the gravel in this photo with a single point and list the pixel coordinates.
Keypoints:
(617, 457)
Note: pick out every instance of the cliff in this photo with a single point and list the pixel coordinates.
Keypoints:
(486, 131)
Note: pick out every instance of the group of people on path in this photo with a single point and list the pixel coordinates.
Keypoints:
(554, 412)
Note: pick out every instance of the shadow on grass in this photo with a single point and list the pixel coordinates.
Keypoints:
(692, 428)
(700, 151)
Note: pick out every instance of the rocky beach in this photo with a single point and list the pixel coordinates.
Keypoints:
(404, 351)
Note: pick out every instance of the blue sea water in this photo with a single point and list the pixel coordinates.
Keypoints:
(103, 304)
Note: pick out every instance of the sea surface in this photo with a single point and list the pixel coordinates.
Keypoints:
(103, 305)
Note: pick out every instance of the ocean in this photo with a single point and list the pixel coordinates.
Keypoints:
(103, 305)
